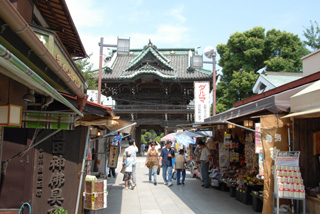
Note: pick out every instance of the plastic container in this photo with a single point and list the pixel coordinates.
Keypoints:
(257, 203)
(232, 191)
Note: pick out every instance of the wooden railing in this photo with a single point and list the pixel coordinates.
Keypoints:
(152, 107)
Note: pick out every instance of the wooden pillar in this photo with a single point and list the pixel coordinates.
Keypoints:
(166, 130)
(137, 138)
(1, 143)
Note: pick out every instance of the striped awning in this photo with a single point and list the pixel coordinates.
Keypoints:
(48, 120)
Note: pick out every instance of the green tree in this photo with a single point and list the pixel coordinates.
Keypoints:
(85, 67)
(312, 35)
(246, 53)
(239, 88)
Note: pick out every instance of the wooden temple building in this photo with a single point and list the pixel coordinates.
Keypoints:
(153, 87)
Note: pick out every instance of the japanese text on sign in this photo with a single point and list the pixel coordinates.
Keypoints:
(57, 179)
(201, 97)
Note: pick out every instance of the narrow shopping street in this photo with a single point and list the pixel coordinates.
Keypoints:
(147, 198)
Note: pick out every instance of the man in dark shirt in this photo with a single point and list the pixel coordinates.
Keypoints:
(167, 153)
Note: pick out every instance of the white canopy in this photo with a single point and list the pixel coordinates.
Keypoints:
(306, 103)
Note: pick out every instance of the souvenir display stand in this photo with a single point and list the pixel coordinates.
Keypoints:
(235, 168)
(288, 183)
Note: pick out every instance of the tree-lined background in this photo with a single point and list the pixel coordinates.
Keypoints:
(248, 52)
(244, 55)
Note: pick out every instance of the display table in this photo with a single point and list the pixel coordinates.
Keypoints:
(297, 204)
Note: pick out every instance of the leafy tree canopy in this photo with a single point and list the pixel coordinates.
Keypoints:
(246, 53)
(254, 49)
(85, 67)
(240, 87)
(312, 35)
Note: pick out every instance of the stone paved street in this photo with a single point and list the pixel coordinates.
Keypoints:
(147, 198)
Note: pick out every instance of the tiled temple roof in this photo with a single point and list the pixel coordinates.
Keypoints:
(166, 63)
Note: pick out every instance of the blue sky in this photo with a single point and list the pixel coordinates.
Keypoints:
(184, 23)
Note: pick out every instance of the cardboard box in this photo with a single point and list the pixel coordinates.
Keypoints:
(96, 200)
(99, 185)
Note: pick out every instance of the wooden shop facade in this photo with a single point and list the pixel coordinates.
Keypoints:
(41, 148)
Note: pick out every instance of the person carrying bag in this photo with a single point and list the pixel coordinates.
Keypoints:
(152, 163)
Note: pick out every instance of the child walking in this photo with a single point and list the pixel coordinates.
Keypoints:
(128, 162)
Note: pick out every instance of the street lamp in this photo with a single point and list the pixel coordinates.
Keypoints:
(123, 47)
(197, 62)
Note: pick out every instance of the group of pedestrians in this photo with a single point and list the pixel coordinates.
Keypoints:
(165, 160)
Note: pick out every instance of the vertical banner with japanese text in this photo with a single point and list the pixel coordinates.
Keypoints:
(201, 101)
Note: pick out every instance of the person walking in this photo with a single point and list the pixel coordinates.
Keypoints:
(165, 161)
(143, 148)
(128, 163)
(180, 167)
(133, 149)
(112, 171)
(205, 158)
(158, 146)
(152, 162)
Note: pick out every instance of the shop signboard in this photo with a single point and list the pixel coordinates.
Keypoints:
(56, 173)
(258, 142)
(224, 152)
(201, 99)
(287, 158)
(113, 156)
(56, 49)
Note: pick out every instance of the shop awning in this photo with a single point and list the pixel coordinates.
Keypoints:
(306, 103)
(112, 123)
(190, 134)
(48, 120)
(278, 103)
(184, 139)
(305, 114)
(11, 66)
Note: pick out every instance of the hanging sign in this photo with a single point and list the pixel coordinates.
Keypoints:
(201, 99)
(287, 158)
(258, 142)
(113, 156)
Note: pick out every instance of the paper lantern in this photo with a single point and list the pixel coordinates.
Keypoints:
(10, 115)
(93, 131)
(248, 123)
(230, 126)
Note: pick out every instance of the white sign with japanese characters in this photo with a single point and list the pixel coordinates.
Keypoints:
(201, 101)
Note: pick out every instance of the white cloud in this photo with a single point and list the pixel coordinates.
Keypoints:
(165, 35)
(91, 24)
(177, 14)
(86, 14)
